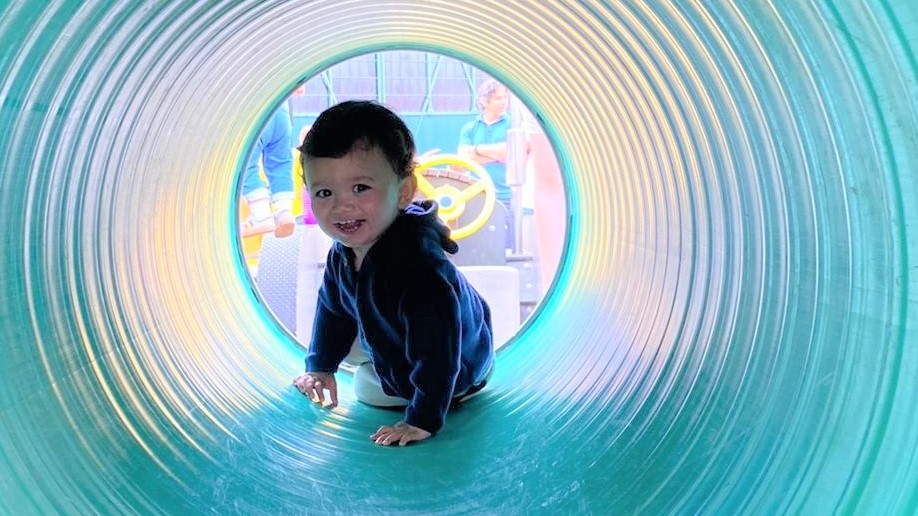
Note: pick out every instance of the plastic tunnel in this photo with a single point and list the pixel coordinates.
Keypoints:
(733, 330)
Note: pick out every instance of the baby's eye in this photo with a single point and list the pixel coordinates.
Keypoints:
(360, 188)
(323, 193)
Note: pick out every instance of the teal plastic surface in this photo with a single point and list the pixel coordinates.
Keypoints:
(733, 329)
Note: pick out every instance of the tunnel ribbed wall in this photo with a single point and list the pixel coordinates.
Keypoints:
(733, 328)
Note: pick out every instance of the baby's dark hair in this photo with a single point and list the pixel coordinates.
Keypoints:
(360, 124)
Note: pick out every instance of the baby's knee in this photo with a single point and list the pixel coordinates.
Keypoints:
(368, 389)
(364, 380)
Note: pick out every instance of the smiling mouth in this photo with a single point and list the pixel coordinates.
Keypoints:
(349, 226)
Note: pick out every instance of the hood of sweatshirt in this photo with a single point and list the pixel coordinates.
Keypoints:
(419, 220)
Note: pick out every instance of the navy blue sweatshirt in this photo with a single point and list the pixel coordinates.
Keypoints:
(427, 331)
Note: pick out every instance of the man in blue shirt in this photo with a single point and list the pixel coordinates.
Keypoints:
(484, 141)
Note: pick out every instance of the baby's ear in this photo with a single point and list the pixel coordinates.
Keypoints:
(406, 190)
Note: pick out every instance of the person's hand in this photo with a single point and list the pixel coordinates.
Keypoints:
(401, 433)
(313, 385)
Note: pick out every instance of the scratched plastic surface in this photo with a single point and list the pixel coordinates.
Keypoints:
(733, 329)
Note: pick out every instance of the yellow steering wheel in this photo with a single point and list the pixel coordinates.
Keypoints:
(451, 200)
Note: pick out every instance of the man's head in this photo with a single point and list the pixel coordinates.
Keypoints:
(493, 98)
(358, 167)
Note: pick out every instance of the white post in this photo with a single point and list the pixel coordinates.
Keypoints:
(516, 171)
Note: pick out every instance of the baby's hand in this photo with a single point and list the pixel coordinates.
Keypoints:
(402, 433)
(313, 384)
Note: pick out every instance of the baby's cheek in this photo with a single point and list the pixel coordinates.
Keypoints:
(319, 210)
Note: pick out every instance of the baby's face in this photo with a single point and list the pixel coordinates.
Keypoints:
(355, 198)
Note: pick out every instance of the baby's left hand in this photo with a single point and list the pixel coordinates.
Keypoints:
(402, 433)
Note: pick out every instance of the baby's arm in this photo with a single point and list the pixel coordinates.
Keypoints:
(433, 350)
(333, 334)
(334, 327)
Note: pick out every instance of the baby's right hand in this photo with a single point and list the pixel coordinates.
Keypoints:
(313, 384)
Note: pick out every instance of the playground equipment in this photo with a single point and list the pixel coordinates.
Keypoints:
(479, 220)
(452, 200)
(733, 324)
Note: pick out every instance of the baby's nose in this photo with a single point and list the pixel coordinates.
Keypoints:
(343, 203)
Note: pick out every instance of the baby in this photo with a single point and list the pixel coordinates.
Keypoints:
(391, 301)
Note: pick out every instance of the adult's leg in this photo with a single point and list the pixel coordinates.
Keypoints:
(257, 198)
(277, 161)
